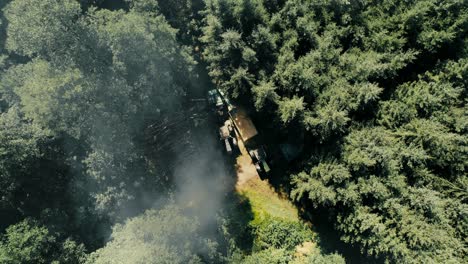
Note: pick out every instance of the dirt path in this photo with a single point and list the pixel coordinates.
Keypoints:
(245, 169)
(262, 196)
(264, 199)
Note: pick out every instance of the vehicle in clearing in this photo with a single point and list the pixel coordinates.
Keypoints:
(228, 136)
(249, 135)
(239, 121)
(216, 102)
(259, 158)
(244, 125)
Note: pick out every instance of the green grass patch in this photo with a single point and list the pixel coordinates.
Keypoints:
(265, 201)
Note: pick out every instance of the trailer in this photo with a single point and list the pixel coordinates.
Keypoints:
(249, 135)
(244, 126)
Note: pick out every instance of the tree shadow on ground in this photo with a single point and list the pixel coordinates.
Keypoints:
(238, 215)
(329, 238)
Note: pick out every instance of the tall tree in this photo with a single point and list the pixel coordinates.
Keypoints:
(163, 236)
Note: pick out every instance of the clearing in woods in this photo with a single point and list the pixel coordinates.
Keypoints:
(262, 196)
(265, 201)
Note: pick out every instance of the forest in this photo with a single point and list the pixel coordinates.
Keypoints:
(110, 154)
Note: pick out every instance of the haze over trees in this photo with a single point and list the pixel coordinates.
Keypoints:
(94, 114)
(77, 92)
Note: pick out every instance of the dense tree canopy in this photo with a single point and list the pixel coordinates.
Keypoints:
(379, 88)
(99, 83)
(77, 91)
(28, 242)
(164, 236)
(96, 107)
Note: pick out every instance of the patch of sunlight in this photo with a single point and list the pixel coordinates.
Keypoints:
(264, 200)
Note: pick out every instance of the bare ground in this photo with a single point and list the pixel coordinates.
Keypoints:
(262, 196)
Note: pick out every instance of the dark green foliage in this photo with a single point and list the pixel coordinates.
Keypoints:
(326, 259)
(41, 27)
(28, 242)
(378, 88)
(96, 78)
(78, 87)
(279, 234)
(271, 255)
(164, 236)
(19, 151)
(373, 90)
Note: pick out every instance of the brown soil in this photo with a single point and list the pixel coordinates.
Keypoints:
(245, 168)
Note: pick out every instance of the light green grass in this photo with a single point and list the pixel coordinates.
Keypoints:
(267, 205)
(265, 201)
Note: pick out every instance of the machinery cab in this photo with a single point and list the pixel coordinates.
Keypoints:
(227, 134)
(217, 105)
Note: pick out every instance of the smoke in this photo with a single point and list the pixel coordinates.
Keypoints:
(175, 161)
(203, 180)
(123, 79)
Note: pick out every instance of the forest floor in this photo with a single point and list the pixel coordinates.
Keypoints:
(263, 198)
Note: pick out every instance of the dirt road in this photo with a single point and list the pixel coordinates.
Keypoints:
(262, 196)
(245, 168)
